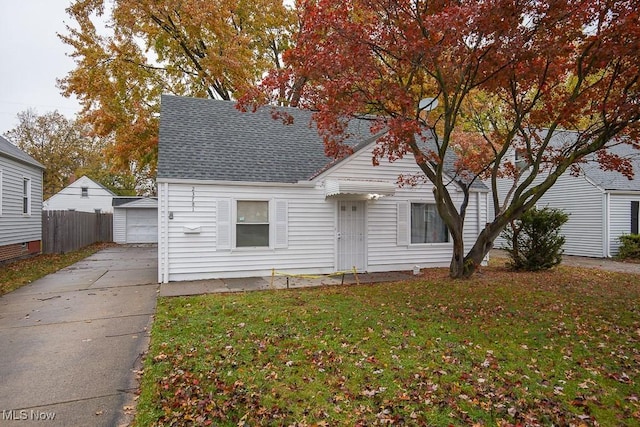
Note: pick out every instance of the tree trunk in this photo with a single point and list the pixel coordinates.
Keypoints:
(482, 246)
(463, 267)
(458, 268)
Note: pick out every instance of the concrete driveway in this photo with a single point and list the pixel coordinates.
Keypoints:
(70, 343)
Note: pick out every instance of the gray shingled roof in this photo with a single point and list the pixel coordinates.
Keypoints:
(612, 180)
(211, 140)
(208, 139)
(607, 180)
(13, 152)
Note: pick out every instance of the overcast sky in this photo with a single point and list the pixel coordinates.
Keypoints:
(32, 57)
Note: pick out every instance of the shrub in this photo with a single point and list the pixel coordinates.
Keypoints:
(629, 246)
(534, 241)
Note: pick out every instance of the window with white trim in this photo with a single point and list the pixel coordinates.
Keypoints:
(84, 192)
(426, 224)
(252, 224)
(26, 196)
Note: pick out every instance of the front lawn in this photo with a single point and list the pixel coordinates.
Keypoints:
(560, 347)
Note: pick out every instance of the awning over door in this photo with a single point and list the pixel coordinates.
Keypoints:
(359, 189)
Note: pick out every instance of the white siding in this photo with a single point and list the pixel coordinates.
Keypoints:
(310, 244)
(620, 219)
(384, 252)
(120, 225)
(70, 197)
(16, 227)
(196, 255)
(583, 201)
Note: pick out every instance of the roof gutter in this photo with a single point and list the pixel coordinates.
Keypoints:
(235, 183)
(623, 192)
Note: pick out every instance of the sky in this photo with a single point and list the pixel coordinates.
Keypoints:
(32, 57)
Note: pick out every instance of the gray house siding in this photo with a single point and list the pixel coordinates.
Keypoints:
(598, 203)
(584, 203)
(17, 228)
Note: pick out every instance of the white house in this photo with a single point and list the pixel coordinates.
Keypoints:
(602, 205)
(20, 203)
(240, 194)
(135, 219)
(82, 195)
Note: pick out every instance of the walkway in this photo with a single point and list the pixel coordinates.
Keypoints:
(72, 341)
(586, 262)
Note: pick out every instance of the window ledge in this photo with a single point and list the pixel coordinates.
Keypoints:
(253, 249)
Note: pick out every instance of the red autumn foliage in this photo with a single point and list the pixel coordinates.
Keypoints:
(508, 76)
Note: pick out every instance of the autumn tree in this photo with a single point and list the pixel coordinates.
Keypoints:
(60, 144)
(129, 52)
(516, 73)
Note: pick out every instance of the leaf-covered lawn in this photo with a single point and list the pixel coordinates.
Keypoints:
(19, 273)
(559, 347)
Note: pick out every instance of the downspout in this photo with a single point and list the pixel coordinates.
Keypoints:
(482, 224)
(479, 214)
(163, 222)
(607, 225)
(160, 232)
(166, 232)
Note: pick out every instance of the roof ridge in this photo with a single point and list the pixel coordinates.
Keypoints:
(12, 151)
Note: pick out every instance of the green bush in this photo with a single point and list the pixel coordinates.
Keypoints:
(629, 246)
(534, 241)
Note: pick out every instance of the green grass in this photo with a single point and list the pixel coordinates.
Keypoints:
(19, 273)
(560, 347)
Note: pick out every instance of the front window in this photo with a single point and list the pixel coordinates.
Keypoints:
(426, 224)
(252, 224)
(84, 192)
(26, 196)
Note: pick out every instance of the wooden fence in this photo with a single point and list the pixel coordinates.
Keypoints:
(66, 231)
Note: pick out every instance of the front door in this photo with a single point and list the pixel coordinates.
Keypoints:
(351, 235)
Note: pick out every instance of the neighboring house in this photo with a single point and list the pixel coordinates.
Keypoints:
(20, 203)
(135, 220)
(602, 205)
(241, 194)
(82, 195)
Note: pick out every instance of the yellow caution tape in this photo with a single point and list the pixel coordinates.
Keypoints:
(311, 276)
(275, 273)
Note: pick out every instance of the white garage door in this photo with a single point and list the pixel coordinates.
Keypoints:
(142, 225)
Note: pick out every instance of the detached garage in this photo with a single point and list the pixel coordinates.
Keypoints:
(135, 220)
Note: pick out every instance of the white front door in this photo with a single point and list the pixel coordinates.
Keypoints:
(351, 235)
